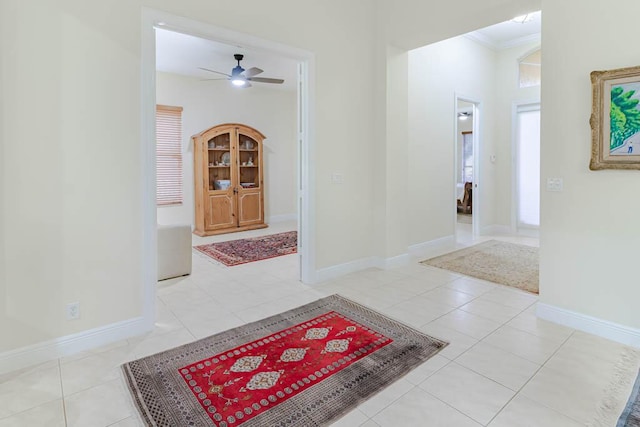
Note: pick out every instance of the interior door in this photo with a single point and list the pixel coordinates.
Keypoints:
(220, 203)
(249, 183)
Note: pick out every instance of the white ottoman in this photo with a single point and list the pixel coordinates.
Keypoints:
(174, 251)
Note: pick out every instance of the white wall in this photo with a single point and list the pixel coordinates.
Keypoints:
(206, 104)
(436, 74)
(590, 233)
(3, 290)
(405, 25)
(73, 229)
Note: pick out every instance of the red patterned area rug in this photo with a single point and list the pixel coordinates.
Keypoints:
(241, 251)
(304, 367)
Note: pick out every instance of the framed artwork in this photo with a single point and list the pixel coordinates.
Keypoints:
(615, 119)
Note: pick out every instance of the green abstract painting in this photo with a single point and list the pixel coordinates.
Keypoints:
(625, 119)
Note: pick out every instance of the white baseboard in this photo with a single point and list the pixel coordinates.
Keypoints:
(496, 229)
(282, 218)
(71, 344)
(593, 325)
(443, 244)
(529, 232)
(340, 270)
(393, 262)
(432, 247)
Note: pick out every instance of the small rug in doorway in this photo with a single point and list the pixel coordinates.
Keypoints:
(242, 251)
(505, 263)
(304, 367)
(631, 415)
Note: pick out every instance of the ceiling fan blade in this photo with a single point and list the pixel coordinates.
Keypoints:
(213, 71)
(253, 71)
(265, 80)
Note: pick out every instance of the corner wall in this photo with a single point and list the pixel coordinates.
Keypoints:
(206, 104)
(590, 232)
(3, 291)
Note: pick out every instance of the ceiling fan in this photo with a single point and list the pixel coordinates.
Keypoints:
(241, 77)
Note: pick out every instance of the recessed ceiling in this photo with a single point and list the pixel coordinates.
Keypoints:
(510, 33)
(184, 54)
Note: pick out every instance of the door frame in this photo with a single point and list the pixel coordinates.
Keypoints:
(516, 105)
(152, 19)
(477, 137)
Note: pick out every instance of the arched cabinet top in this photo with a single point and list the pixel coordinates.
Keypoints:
(226, 127)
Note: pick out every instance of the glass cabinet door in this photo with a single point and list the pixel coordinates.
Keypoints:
(219, 161)
(248, 162)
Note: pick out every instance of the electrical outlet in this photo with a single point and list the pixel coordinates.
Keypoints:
(73, 310)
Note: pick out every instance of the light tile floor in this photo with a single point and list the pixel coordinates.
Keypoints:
(503, 367)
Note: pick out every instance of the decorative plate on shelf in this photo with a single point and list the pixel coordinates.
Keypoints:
(247, 184)
(226, 158)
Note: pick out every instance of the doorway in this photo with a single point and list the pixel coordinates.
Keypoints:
(466, 168)
(153, 19)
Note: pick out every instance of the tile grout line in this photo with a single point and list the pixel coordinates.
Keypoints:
(518, 392)
(64, 405)
(484, 376)
(481, 339)
(452, 407)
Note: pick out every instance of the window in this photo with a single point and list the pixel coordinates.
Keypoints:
(467, 157)
(528, 165)
(530, 69)
(168, 155)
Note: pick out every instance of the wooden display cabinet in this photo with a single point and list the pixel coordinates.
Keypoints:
(229, 189)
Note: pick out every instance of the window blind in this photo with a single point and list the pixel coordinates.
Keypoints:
(168, 155)
(528, 165)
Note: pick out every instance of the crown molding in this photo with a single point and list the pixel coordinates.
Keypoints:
(480, 38)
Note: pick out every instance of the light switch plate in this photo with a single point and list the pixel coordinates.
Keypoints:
(554, 184)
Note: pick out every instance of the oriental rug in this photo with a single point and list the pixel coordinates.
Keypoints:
(304, 367)
(505, 263)
(630, 416)
(242, 251)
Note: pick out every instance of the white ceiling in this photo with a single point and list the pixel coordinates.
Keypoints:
(509, 34)
(184, 54)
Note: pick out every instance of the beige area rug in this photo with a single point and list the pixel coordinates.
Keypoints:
(505, 263)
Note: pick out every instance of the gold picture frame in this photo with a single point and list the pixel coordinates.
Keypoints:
(615, 119)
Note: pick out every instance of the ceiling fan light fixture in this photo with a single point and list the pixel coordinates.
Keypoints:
(464, 116)
(239, 78)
